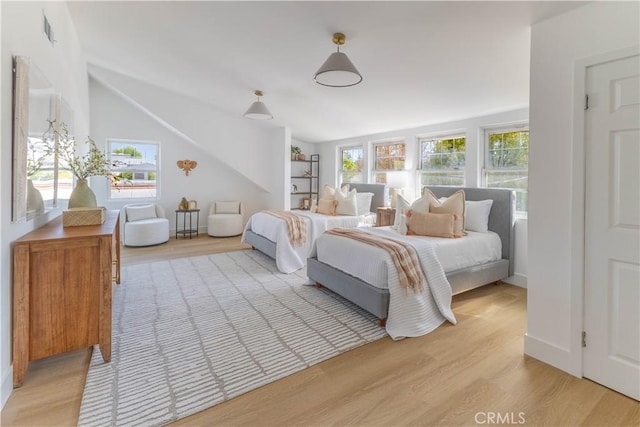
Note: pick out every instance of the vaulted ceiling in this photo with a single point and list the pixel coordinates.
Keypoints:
(422, 62)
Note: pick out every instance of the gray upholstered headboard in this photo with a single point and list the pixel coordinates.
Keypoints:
(380, 193)
(501, 217)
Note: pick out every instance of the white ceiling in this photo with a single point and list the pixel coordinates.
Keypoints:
(422, 62)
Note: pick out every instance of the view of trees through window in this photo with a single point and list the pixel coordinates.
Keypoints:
(352, 164)
(442, 161)
(136, 169)
(389, 156)
(507, 163)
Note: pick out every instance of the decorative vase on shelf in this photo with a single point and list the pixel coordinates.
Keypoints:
(301, 156)
(82, 196)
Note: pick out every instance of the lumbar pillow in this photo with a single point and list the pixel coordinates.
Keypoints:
(327, 207)
(430, 224)
(347, 203)
(454, 204)
(402, 206)
(363, 200)
(476, 217)
(138, 213)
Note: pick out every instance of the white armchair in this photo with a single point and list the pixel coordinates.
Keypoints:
(144, 225)
(225, 219)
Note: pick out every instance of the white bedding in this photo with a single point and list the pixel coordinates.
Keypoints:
(410, 314)
(289, 258)
(369, 264)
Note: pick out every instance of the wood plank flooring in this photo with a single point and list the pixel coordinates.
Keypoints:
(466, 374)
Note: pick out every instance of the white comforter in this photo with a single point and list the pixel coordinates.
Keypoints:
(288, 257)
(414, 314)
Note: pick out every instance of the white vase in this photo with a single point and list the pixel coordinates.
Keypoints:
(82, 196)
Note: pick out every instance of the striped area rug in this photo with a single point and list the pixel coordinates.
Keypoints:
(193, 332)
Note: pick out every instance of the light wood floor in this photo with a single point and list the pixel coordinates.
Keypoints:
(457, 375)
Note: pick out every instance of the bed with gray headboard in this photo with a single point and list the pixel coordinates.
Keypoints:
(266, 241)
(375, 299)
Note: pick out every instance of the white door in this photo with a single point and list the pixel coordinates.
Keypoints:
(612, 226)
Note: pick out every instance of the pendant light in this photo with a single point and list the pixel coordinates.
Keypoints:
(258, 111)
(338, 70)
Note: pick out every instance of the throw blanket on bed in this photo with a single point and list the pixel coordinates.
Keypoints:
(404, 256)
(296, 227)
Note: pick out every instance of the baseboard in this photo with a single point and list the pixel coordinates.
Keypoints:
(550, 354)
(517, 280)
(6, 388)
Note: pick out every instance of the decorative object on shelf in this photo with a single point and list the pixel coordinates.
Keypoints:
(302, 157)
(82, 196)
(84, 216)
(294, 152)
(307, 173)
(184, 204)
(187, 165)
(94, 163)
(294, 188)
(193, 204)
(257, 110)
(306, 203)
(338, 70)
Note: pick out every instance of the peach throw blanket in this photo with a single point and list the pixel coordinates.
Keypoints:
(404, 256)
(296, 226)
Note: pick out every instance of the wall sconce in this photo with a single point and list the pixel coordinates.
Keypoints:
(187, 165)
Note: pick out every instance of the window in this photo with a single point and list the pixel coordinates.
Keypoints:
(388, 156)
(507, 162)
(135, 166)
(352, 164)
(442, 161)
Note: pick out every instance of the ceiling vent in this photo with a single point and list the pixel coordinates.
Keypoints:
(48, 31)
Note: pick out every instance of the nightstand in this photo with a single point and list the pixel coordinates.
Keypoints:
(385, 216)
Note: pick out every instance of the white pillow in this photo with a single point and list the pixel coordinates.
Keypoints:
(423, 203)
(347, 204)
(402, 206)
(138, 213)
(363, 200)
(227, 207)
(477, 215)
(328, 192)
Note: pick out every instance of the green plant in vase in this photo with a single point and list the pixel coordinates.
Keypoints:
(94, 163)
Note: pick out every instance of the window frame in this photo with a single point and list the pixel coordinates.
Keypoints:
(158, 180)
(340, 169)
(485, 169)
(439, 137)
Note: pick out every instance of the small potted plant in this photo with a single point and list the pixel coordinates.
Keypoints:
(295, 152)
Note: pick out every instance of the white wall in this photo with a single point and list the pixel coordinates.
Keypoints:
(64, 66)
(556, 180)
(112, 116)
(473, 128)
(240, 143)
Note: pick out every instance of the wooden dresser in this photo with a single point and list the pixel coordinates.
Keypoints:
(62, 278)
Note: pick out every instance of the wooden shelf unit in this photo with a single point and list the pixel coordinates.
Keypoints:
(62, 290)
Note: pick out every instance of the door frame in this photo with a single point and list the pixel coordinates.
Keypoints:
(578, 200)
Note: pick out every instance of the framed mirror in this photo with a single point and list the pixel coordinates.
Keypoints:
(38, 112)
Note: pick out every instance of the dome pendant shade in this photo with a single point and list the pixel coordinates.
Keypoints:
(338, 71)
(257, 110)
